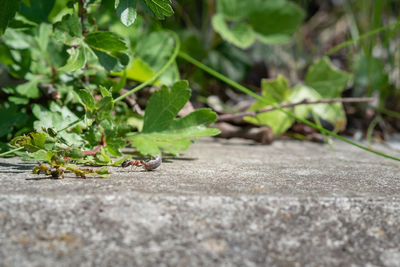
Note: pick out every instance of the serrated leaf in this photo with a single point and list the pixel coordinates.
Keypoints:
(164, 105)
(76, 61)
(87, 99)
(241, 34)
(104, 91)
(161, 8)
(7, 12)
(58, 118)
(30, 89)
(326, 79)
(171, 141)
(162, 130)
(104, 107)
(126, 11)
(105, 42)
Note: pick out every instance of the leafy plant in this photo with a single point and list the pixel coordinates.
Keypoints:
(68, 67)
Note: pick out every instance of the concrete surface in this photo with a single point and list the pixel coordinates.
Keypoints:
(221, 203)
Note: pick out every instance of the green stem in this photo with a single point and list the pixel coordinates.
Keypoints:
(11, 151)
(161, 71)
(256, 96)
(363, 36)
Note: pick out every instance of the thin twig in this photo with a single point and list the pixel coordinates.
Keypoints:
(226, 117)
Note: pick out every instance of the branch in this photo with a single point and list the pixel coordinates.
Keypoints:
(227, 117)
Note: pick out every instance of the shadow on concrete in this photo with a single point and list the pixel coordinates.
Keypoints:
(15, 168)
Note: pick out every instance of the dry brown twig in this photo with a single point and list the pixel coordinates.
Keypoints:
(227, 117)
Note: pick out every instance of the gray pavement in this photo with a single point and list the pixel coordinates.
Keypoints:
(221, 203)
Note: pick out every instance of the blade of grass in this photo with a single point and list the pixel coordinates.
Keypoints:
(363, 36)
(256, 96)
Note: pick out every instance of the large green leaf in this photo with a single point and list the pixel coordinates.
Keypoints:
(241, 34)
(270, 21)
(275, 21)
(164, 105)
(162, 131)
(126, 11)
(8, 9)
(326, 79)
(109, 50)
(161, 8)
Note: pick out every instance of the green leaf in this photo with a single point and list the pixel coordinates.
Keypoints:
(164, 105)
(43, 37)
(235, 9)
(126, 11)
(161, 8)
(275, 21)
(68, 28)
(241, 34)
(58, 118)
(87, 99)
(32, 142)
(112, 62)
(10, 117)
(278, 121)
(333, 113)
(326, 79)
(30, 89)
(273, 91)
(104, 107)
(76, 61)
(138, 70)
(104, 91)
(8, 9)
(105, 41)
(162, 130)
(270, 21)
(37, 11)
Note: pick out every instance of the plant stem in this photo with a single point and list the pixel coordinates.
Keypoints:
(251, 93)
(366, 35)
(161, 71)
(304, 102)
(11, 151)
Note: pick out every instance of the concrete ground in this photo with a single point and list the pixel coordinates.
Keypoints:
(220, 203)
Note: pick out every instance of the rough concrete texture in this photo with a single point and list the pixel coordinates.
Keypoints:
(220, 203)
